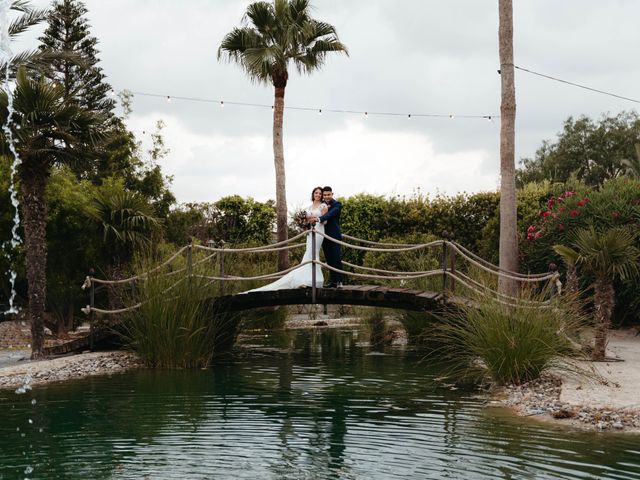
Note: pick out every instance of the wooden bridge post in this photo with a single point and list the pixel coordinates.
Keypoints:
(92, 303)
(443, 261)
(190, 257)
(313, 265)
(221, 264)
(452, 265)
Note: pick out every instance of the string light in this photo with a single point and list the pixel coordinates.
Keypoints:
(311, 109)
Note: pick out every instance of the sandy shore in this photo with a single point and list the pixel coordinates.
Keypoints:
(610, 399)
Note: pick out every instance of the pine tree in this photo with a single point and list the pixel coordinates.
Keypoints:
(77, 72)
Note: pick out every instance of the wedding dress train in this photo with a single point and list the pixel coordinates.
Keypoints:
(301, 276)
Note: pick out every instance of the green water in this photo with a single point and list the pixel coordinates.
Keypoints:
(320, 406)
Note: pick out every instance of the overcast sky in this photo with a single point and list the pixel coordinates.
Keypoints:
(406, 56)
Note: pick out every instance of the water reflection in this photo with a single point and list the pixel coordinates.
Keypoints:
(310, 404)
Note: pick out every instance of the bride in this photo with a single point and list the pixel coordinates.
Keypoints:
(302, 276)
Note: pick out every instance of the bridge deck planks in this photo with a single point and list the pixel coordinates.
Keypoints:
(367, 295)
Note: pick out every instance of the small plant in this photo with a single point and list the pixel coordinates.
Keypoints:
(509, 344)
(177, 325)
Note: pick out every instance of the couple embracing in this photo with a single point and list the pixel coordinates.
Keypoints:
(324, 214)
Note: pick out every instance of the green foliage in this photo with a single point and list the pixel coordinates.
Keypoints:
(44, 126)
(508, 345)
(373, 217)
(125, 219)
(233, 219)
(611, 253)
(418, 260)
(275, 35)
(175, 326)
(69, 235)
(615, 204)
(592, 151)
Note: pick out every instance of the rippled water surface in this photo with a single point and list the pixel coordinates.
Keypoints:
(320, 406)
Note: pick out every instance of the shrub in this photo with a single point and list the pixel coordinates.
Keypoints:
(176, 326)
(508, 344)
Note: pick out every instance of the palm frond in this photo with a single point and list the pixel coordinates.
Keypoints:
(28, 19)
(612, 253)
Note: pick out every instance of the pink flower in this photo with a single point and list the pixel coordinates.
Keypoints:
(574, 213)
(581, 203)
(531, 229)
(568, 194)
(561, 226)
(551, 203)
(562, 209)
(545, 214)
(537, 235)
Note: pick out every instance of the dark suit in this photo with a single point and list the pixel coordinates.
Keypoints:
(332, 250)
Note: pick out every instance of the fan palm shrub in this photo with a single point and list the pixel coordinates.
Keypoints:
(607, 255)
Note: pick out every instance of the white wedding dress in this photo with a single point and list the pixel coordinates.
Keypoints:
(301, 276)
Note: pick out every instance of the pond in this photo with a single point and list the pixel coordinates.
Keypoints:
(296, 405)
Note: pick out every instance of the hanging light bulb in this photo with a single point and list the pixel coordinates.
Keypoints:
(452, 116)
(221, 104)
(168, 98)
(366, 114)
(409, 117)
(320, 112)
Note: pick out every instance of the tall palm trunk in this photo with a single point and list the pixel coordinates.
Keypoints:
(278, 158)
(34, 212)
(508, 212)
(604, 301)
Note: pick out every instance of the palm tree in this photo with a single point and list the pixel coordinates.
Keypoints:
(44, 128)
(274, 36)
(607, 255)
(508, 215)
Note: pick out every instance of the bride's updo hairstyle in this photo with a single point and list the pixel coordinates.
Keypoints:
(314, 191)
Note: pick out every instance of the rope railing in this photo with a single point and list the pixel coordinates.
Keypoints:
(450, 253)
(544, 277)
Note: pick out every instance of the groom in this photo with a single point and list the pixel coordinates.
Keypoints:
(332, 228)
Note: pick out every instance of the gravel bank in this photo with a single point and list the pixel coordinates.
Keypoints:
(66, 368)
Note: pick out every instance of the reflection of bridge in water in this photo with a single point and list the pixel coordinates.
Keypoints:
(430, 277)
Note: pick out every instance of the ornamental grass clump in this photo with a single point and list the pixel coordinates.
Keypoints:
(176, 326)
(507, 344)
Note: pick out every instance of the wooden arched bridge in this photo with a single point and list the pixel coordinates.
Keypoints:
(440, 274)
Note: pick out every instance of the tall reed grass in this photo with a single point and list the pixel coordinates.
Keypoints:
(177, 325)
(510, 344)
